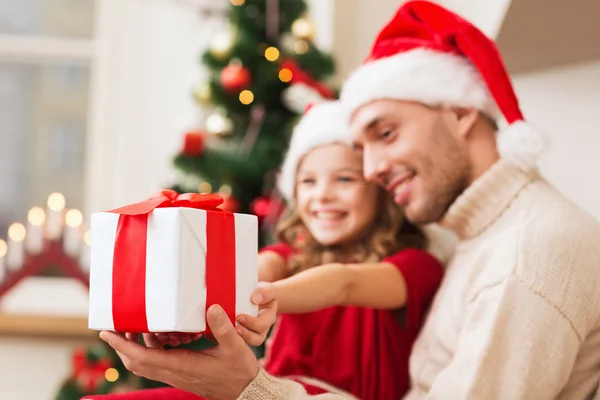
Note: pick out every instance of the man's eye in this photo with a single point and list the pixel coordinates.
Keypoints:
(386, 134)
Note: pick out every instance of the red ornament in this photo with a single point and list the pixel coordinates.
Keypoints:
(260, 207)
(265, 206)
(235, 78)
(230, 204)
(193, 144)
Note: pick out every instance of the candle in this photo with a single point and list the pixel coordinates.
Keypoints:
(72, 237)
(54, 221)
(35, 235)
(3, 249)
(85, 256)
(16, 253)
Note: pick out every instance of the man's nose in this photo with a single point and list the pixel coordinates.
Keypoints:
(374, 168)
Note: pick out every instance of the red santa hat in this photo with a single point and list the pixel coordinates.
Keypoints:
(431, 55)
(322, 123)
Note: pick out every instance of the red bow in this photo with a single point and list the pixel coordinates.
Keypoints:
(89, 374)
(170, 198)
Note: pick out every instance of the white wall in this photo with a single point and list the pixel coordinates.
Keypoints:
(565, 103)
(149, 53)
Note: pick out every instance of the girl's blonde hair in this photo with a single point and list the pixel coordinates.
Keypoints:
(389, 233)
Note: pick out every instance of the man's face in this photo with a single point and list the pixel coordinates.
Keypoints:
(416, 152)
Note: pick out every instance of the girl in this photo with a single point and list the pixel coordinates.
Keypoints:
(353, 283)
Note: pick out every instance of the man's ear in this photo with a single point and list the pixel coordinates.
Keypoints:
(466, 119)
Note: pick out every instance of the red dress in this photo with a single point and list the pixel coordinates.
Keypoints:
(363, 351)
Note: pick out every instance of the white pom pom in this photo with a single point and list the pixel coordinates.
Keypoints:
(298, 96)
(521, 144)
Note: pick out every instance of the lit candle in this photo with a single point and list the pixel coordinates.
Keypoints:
(54, 221)
(3, 249)
(85, 257)
(72, 236)
(16, 252)
(35, 235)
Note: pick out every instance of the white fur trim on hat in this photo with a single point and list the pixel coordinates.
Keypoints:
(324, 123)
(426, 76)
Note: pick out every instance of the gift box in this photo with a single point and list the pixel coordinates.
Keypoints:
(156, 266)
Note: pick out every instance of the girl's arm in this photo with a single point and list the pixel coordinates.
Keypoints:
(375, 285)
(271, 267)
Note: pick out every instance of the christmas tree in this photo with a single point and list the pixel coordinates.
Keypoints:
(263, 70)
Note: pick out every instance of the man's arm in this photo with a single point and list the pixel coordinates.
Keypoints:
(377, 285)
(514, 344)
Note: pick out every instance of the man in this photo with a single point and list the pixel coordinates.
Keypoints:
(518, 313)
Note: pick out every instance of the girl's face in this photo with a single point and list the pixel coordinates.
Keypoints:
(333, 199)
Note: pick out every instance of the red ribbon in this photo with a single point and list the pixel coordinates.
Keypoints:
(129, 260)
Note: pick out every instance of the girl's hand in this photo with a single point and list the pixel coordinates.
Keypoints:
(254, 330)
(172, 339)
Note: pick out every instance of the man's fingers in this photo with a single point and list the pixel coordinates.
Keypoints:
(222, 328)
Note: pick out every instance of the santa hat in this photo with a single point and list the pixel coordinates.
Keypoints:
(431, 55)
(322, 123)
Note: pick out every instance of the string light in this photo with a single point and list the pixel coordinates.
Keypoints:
(246, 97)
(87, 237)
(218, 124)
(111, 375)
(36, 216)
(17, 232)
(225, 190)
(3, 248)
(74, 218)
(205, 187)
(56, 202)
(238, 2)
(301, 47)
(303, 28)
(272, 53)
(285, 75)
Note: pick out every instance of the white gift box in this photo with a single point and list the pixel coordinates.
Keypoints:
(173, 286)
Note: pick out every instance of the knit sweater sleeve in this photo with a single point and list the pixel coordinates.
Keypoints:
(514, 344)
(267, 387)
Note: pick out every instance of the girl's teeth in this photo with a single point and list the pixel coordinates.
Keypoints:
(401, 188)
(328, 215)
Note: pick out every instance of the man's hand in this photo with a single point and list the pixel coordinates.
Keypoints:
(219, 373)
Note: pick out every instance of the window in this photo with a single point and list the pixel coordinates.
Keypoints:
(46, 54)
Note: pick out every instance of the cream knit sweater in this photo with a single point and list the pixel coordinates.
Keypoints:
(518, 313)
